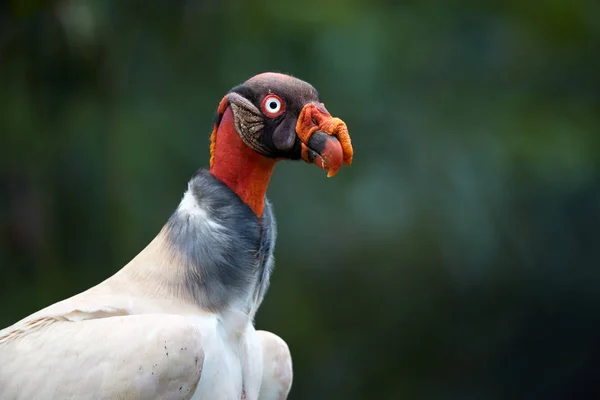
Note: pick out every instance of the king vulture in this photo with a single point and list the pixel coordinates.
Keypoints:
(176, 322)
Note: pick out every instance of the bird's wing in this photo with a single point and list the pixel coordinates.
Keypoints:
(277, 367)
(145, 356)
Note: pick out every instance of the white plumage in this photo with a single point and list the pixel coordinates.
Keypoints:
(140, 335)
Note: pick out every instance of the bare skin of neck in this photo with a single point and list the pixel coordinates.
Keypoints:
(245, 171)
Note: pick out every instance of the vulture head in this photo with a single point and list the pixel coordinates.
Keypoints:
(268, 118)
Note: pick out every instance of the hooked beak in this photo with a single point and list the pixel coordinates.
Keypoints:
(325, 140)
(325, 151)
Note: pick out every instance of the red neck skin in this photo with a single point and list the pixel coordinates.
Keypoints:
(245, 171)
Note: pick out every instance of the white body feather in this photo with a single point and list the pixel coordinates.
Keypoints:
(141, 335)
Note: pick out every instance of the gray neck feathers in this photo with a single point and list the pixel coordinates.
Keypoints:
(227, 251)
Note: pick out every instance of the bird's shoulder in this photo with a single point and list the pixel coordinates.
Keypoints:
(278, 373)
(136, 356)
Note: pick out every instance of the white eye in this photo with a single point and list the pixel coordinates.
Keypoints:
(272, 106)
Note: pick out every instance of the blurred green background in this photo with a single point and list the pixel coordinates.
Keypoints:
(456, 259)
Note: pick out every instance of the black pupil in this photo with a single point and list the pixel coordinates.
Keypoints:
(273, 105)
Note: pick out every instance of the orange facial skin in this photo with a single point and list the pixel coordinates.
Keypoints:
(245, 171)
(324, 141)
(315, 117)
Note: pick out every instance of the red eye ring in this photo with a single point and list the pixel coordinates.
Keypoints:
(272, 106)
